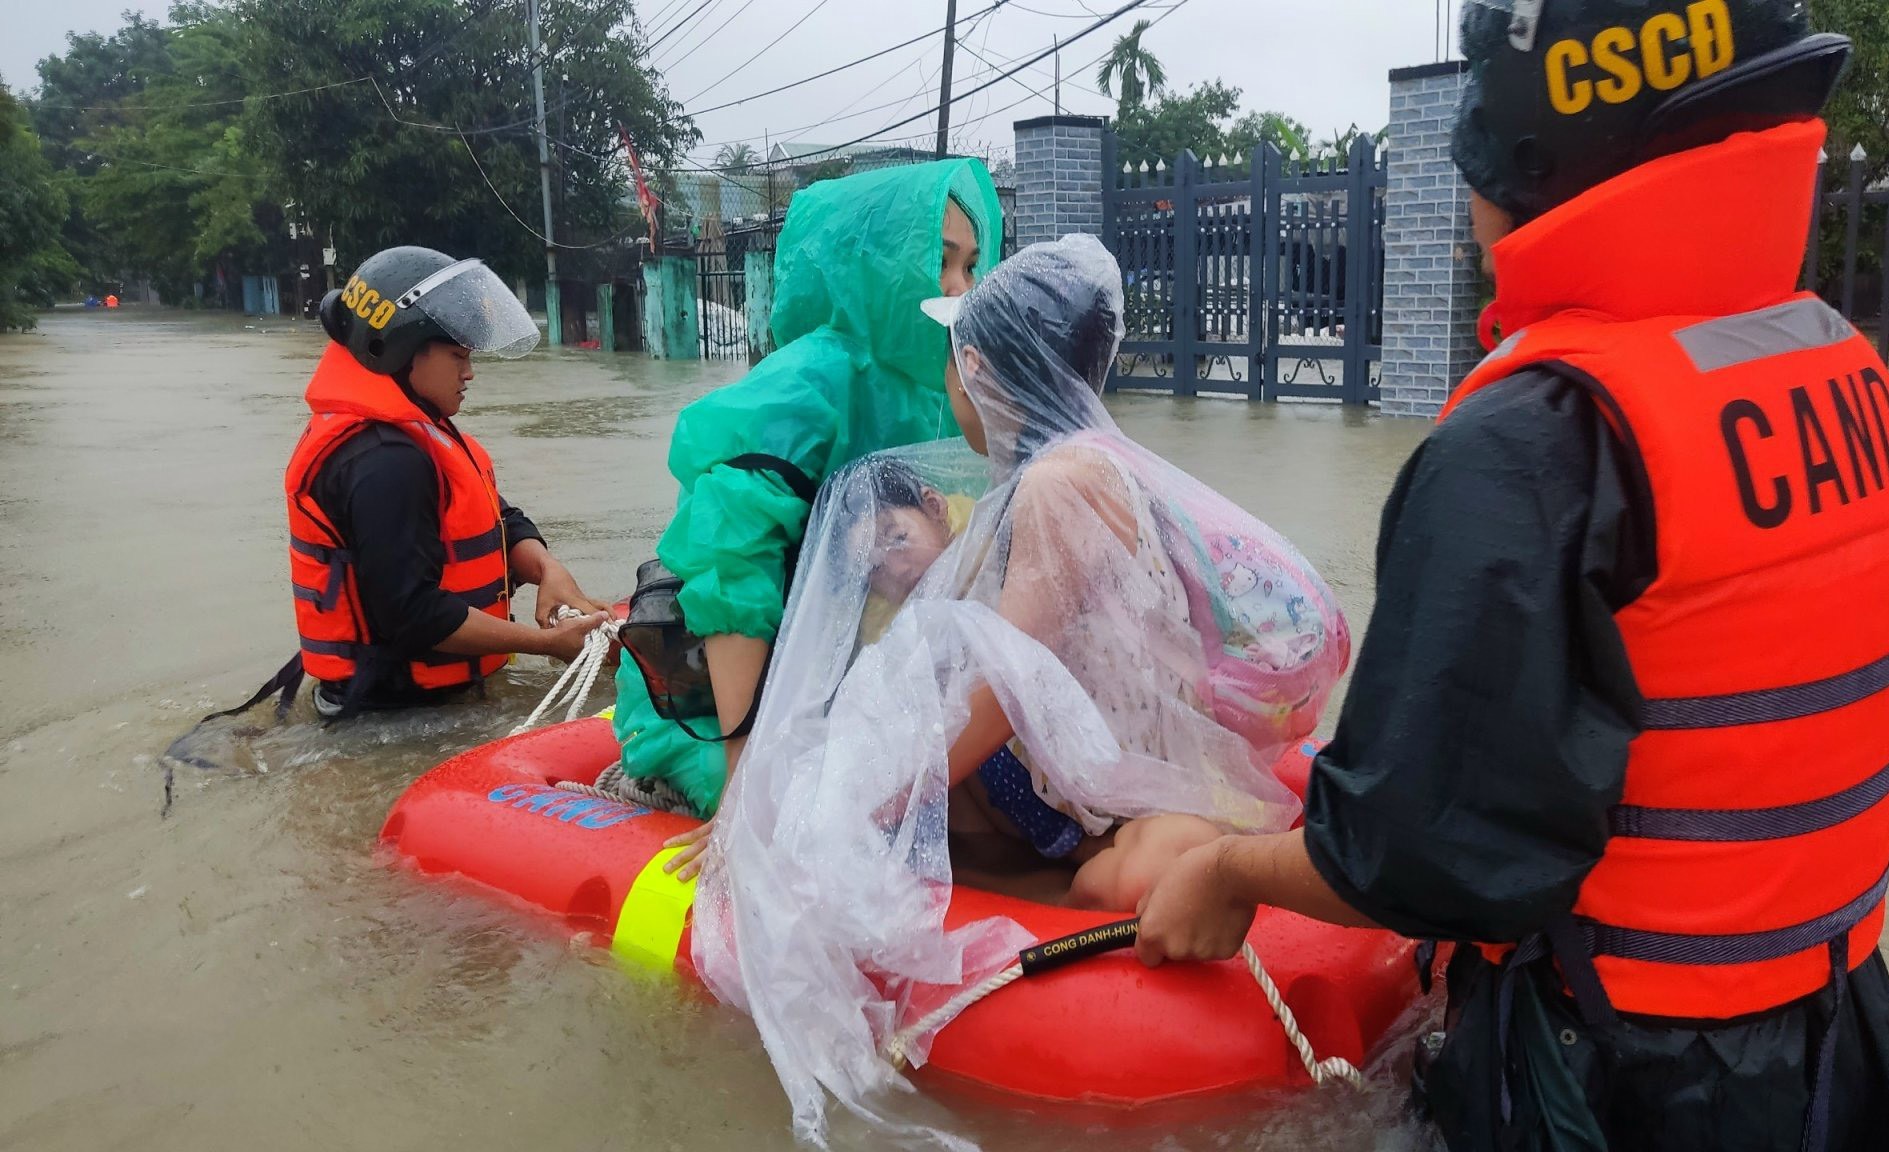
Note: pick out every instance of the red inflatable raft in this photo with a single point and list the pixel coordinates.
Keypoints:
(1102, 1031)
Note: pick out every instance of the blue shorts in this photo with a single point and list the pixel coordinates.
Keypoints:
(1011, 791)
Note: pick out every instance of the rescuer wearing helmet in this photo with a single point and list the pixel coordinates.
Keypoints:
(402, 553)
(1620, 726)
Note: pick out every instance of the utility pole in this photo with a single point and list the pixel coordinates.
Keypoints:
(1057, 41)
(553, 314)
(944, 89)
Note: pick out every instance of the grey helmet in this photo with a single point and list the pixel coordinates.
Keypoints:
(401, 299)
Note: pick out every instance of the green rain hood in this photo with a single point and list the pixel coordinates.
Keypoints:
(859, 368)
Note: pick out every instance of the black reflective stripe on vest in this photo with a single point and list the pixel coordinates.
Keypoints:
(364, 654)
(1768, 705)
(476, 547)
(337, 560)
(1730, 948)
(1745, 825)
(479, 599)
(319, 552)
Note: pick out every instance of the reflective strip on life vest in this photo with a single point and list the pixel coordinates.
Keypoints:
(1769, 705)
(480, 599)
(1799, 326)
(1731, 948)
(1747, 825)
(476, 547)
(363, 653)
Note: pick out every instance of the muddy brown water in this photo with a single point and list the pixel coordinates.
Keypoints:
(249, 972)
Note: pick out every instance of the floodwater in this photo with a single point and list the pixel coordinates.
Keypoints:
(248, 972)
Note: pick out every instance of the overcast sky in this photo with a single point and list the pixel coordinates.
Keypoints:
(1323, 61)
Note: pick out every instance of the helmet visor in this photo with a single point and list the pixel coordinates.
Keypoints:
(475, 309)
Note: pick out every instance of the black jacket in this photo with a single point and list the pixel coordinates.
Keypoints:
(1465, 797)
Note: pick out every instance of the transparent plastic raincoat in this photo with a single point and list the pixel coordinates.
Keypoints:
(1152, 646)
(859, 368)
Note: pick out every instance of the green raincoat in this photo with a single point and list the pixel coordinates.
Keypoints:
(859, 368)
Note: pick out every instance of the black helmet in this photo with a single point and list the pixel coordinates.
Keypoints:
(1564, 95)
(400, 299)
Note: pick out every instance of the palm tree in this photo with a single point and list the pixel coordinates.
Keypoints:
(736, 157)
(1139, 73)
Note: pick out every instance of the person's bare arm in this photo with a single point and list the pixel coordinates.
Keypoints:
(486, 635)
(1203, 906)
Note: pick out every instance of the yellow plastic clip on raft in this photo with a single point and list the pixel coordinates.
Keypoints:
(649, 929)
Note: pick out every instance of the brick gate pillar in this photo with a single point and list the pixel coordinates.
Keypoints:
(1432, 269)
(1059, 177)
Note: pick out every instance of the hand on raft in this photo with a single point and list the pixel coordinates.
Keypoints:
(687, 864)
(1191, 913)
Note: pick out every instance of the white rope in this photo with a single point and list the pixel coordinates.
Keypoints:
(898, 1049)
(1335, 1068)
(580, 675)
(613, 784)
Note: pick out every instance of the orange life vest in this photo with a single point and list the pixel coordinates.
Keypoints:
(1749, 853)
(345, 397)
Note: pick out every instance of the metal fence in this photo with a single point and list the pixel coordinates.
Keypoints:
(1260, 277)
(1856, 290)
(722, 308)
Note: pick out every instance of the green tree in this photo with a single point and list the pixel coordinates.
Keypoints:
(1860, 112)
(1134, 68)
(736, 157)
(35, 268)
(432, 144)
(1289, 136)
(174, 190)
(1203, 119)
(94, 87)
(1858, 116)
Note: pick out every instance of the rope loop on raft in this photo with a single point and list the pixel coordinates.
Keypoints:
(579, 677)
(614, 784)
(898, 1049)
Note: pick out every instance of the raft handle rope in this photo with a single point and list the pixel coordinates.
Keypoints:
(615, 785)
(1053, 954)
(580, 676)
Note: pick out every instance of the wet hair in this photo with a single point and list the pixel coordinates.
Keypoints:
(896, 484)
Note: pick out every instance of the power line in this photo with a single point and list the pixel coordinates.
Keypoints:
(196, 104)
(765, 48)
(672, 29)
(1053, 15)
(841, 68)
(498, 196)
(698, 29)
(710, 38)
(174, 168)
(1067, 82)
(454, 129)
(1039, 92)
(1124, 10)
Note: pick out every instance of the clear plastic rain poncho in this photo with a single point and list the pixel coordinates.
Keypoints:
(1153, 647)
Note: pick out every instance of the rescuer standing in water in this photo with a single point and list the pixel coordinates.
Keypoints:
(1620, 726)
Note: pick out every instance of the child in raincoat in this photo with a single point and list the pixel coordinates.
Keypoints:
(859, 369)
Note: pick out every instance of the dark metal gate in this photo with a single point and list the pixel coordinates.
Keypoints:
(1837, 266)
(722, 307)
(1262, 277)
